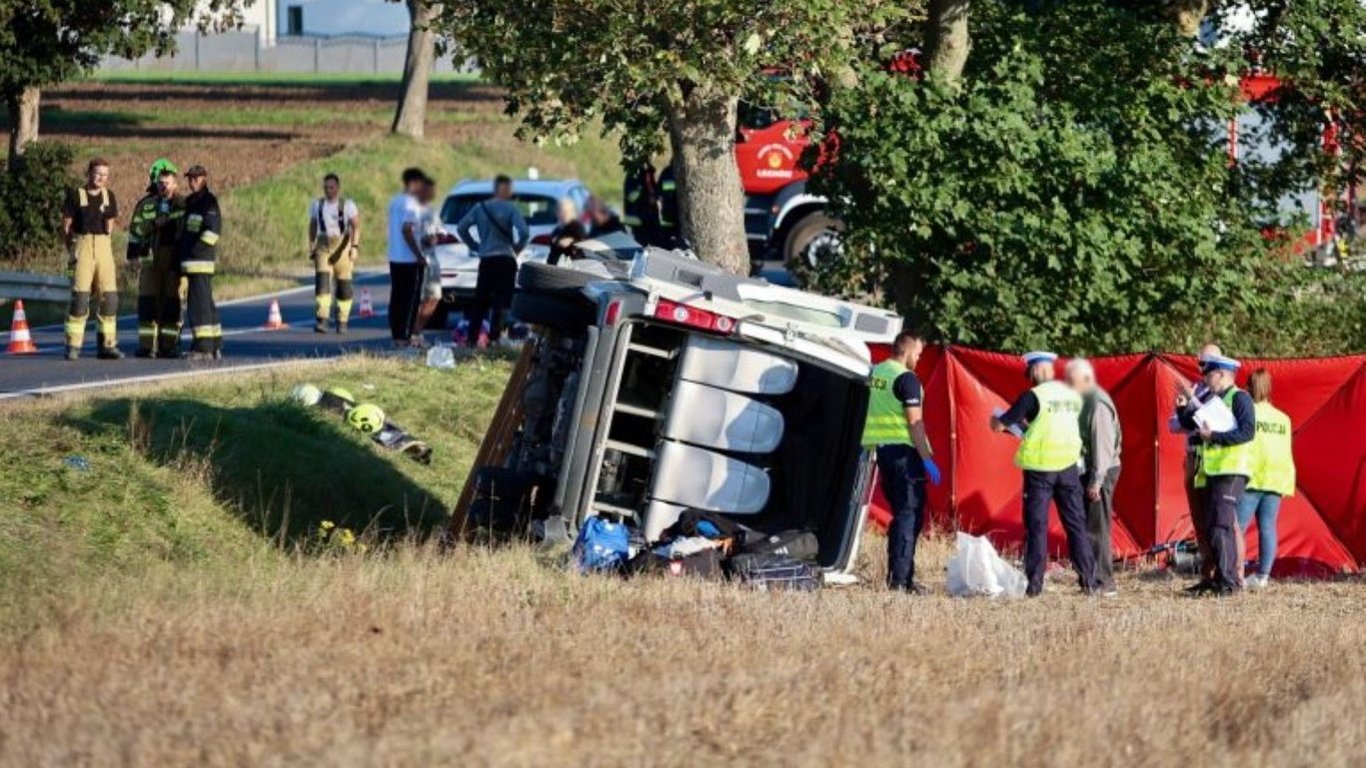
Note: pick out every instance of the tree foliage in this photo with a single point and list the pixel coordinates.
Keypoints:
(1073, 190)
(657, 70)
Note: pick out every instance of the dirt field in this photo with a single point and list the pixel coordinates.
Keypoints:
(243, 133)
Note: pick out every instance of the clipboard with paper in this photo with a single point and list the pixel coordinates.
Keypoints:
(1215, 416)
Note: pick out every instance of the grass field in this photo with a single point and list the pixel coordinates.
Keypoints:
(174, 605)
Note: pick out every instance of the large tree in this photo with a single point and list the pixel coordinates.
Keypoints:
(43, 42)
(1073, 187)
(663, 70)
(410, 118)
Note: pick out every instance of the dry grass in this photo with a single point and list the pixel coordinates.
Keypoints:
(502, 658)
(148, 618)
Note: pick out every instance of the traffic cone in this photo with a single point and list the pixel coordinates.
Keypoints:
(366, 308)
(274, 322)
(20, 342)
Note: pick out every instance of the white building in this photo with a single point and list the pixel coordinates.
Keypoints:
(340, 17)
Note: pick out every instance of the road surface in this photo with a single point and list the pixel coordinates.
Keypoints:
(246, 345)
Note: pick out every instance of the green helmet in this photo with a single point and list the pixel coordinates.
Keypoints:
(159, 167)
(342, 394)
(367, 417)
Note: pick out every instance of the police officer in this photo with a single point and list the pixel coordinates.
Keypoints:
(1272, 479)
(668, 208)
(1049, 454)
(895, 428)
(1226, 465)
(196, 254)
(152, 234)
(641, 195)
(89, 216)
(334, 240)
(1188, 399)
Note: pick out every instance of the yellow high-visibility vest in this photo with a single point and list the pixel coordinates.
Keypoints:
(1273, 462)
(1228, 459)
(886, 424)
(1053, 440)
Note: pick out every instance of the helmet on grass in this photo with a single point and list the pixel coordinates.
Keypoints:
(366, 417)
(306, 394)
(342, 394)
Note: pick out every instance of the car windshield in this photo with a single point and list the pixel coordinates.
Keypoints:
(538, 210)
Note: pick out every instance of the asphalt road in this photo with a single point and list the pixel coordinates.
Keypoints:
(246, 345)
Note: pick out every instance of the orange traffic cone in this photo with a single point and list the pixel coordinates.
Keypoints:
(366, 308)
(274, 322)
(20, 342)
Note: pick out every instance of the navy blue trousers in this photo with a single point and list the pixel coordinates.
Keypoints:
(1064, 489)
(903, 483)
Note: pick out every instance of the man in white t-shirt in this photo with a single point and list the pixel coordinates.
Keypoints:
(432, 229)
(407, 264)
(334, 245)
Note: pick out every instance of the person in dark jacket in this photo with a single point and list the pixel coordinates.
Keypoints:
(1225, 467)
(196, 256)
(567, 233)
(1188, 399)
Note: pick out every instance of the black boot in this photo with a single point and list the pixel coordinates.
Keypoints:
(109, 353)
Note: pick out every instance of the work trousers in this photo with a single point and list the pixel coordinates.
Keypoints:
(92, 270)
(159, 296)
(906, 495)
(405, 294)
(1064, 489)
(1223, 494)
(334, 265)
(1099, 516)
(202, 313)
(1195, 501)
(492, 296)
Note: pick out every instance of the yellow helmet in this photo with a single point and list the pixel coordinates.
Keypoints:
(367, 417)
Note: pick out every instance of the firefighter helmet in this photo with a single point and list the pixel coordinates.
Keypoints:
(342, 394)
(367, 417)
(306, 394)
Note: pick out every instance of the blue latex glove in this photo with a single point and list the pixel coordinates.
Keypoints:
(932, 471)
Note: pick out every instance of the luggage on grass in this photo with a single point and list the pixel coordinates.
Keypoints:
(770, 572)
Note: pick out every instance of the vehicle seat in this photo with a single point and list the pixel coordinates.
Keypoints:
(701, 479)
(725, 364)
(714, 418)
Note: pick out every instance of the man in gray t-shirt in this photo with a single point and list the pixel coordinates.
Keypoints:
(495, 231)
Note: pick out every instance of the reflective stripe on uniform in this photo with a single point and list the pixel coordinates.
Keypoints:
(196, 267)
(1228, 459)
(209, 237)
(193, 222)
(1052, 442)
(208, 332)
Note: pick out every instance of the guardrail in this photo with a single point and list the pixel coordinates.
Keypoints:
(31, 287)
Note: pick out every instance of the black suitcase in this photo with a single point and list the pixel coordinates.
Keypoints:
(768, 572)
(798, 545)
(699, 565)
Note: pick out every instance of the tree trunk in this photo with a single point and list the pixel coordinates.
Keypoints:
(948, 42)
(23, 123)
(711, 202)
(411, 117)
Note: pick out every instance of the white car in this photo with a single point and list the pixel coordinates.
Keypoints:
(539, 200)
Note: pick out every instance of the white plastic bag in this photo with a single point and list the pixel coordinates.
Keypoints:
(440, 356)
(976, 569)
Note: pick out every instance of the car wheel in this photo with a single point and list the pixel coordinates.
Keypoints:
(544, 278)
(553, 310)
(814, 241)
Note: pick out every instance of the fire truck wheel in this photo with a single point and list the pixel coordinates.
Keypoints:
(814, 240)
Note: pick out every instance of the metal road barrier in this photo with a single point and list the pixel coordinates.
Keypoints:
(31, 287)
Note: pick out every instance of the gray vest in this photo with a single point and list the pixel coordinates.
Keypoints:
(1099, 399)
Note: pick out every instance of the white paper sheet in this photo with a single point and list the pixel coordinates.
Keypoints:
(1215, 416)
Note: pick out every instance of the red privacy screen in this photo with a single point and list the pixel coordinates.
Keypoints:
(1322, 528)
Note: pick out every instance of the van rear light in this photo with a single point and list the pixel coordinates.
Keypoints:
(613, 313)
(682, 314)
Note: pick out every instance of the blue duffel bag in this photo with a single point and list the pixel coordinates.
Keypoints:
(602, 545)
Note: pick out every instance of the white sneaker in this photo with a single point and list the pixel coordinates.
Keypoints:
(1257, 581)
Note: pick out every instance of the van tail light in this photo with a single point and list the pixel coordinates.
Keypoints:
(612, 314)
(542, 240)
(701, 319)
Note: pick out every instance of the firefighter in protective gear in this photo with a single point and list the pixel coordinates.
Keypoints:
(1050, 455)
(668, 208)
(641, 197)
(195, 256)
(334, 243)
(152, 234)
(895, 429)
(1226, 467)
(89, 216)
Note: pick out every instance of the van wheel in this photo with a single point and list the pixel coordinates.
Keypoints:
(535, 276)
(553, 310)
(814, 241)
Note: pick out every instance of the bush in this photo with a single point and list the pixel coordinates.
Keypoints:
(31, 201)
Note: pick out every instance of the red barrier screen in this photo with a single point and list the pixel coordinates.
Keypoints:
(1322, 528)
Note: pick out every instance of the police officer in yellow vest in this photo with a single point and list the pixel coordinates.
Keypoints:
(1272, 478)
(1226, 466)
(895, 428)
(152, 233)
(1050, 455)
(89, 216)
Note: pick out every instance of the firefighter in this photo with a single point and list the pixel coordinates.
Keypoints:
(1049, 454)
(152, 233)
(196, 253)
(334, 239)
(642, 204)
(895, 429)
(668, 208)
(89, 217)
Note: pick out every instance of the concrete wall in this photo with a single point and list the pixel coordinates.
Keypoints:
(244, 51)
(345, 17)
